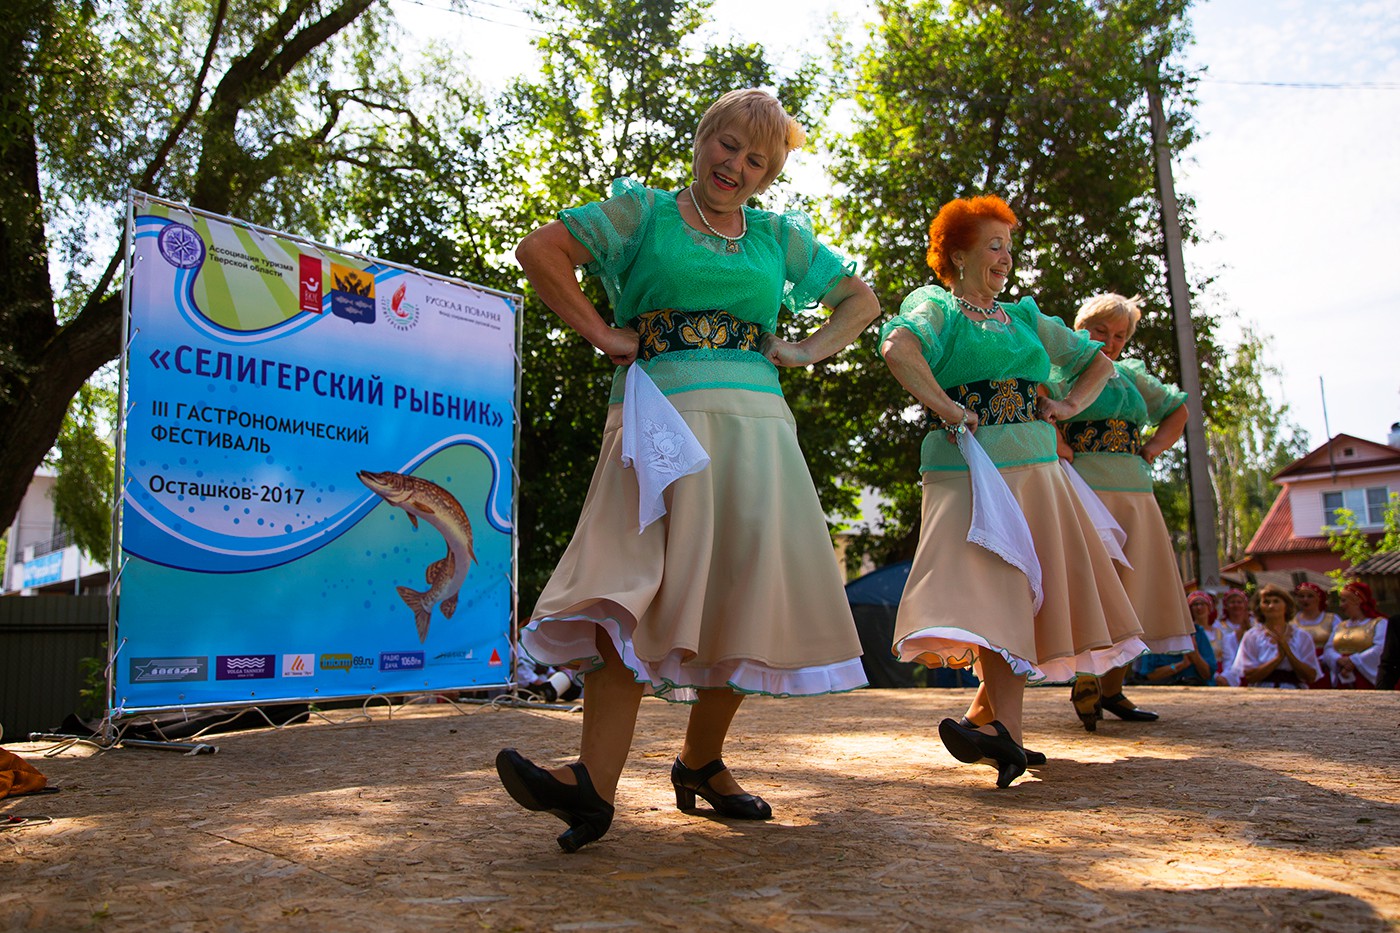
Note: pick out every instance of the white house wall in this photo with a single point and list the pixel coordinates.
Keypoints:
(1305, 496)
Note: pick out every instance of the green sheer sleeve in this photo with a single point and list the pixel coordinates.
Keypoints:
(612, 230)
(1162, 398)
(1070, 350)
(811, 268)
(924, 316)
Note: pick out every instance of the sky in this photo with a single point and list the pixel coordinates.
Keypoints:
(1297, 188)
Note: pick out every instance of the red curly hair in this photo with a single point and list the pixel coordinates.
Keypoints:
(955, 228)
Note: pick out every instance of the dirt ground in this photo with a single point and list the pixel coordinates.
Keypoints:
(1240, 810)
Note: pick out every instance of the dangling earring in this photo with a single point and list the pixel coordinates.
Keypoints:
(960, 273)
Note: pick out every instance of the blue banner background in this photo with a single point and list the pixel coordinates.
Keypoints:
(258, 565)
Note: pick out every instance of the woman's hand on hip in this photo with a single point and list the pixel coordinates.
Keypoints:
(781, 352)
(1053, 410)
(620, 345)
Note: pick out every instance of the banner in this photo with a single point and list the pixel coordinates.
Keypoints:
(317, 471)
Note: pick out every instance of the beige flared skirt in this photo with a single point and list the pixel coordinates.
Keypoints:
(961, 598)
(1153, 583)
(737, 585)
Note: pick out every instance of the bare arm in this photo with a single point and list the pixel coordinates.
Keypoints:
(549, 255)
(906, 360)
(1062, 448)
(853, 306)
(1086, 388)
(1168, 433)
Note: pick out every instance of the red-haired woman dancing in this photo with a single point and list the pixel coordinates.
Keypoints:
(965, 605)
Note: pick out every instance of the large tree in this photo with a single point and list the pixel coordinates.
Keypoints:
(231, 105)
(620, 89)
(1251, 437)
(1043, 103)
(620, 92)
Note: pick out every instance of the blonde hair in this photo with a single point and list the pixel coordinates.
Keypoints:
(765, 120)
(1109, 308)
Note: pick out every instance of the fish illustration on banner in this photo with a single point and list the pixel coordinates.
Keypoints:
(439, 508)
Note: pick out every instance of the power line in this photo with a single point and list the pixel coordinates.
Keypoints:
(1290, 85)
(1313, 85)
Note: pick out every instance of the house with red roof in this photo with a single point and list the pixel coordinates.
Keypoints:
(1346, 472)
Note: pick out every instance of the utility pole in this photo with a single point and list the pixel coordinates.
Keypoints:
(1203, 516)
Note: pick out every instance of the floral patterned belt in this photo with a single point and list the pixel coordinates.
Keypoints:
(669, 331)
(1109, 436)
(998, 401)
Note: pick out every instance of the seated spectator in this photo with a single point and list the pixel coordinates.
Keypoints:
(1195, 668)
(1314, 619)
(1223, 642)
(1353, 655)
(547, 684)
(1234, 611)
(1275, 652)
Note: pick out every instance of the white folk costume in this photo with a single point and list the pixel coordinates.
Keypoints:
(1362, 641)
(1257, 648)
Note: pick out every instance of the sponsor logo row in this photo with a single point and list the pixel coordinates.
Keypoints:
(267, 667)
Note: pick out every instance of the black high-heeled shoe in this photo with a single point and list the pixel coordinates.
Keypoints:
(688, 782)
(579, 805)
(1123, 708)
(1033, 759)
(1084, 694)
(974, 747)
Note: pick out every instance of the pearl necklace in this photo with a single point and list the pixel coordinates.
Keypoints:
(731, 242)
(985, 312)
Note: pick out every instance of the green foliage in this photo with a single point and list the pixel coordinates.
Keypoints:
(92, 695)
(290, 114)
(86, 463)
(620, 93)
(1250, 438)
(620, 90)
(238, 106)
(1043, 104)
(1355, 546)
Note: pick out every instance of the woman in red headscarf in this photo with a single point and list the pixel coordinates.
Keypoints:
(1223, 643)
(1314, 619)
(1353, 655)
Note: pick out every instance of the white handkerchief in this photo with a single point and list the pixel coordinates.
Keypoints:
(656, 443)
(998, 524)
(1110, 532)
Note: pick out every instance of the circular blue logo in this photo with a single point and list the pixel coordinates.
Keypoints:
(181, 246)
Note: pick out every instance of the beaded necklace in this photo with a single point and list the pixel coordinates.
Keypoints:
(988, 314)
(731, 242)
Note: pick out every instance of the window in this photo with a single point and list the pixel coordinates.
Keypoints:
(1376, 499)
(1368, 505)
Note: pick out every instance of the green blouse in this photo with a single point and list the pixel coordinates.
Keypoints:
(1035, 347)
(1140, 399)
(649, 258)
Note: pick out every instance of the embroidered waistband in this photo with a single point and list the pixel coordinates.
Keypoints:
(998, 401)
(1109, 436)
(669, 331)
